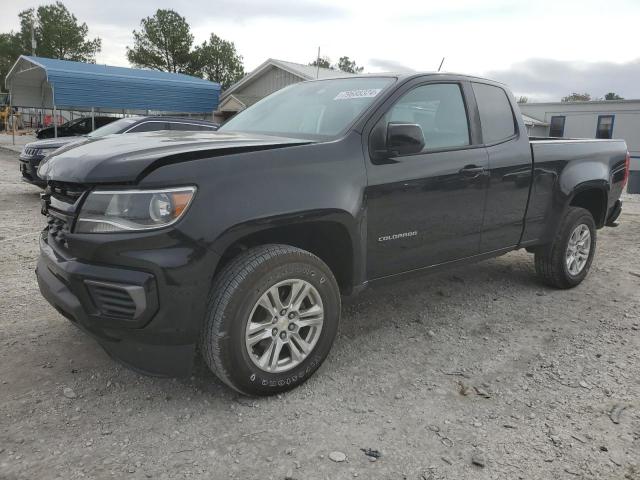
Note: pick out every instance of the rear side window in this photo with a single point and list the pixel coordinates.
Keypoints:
(439, 110)
(100, 122)
(149, 127)
(185, 126)
(496, 115)
(556, 127)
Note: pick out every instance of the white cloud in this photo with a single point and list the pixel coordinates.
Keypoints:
(543, 79)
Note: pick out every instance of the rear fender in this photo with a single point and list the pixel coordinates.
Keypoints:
(563, 201)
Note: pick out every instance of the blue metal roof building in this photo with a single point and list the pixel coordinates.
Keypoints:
(47, 83)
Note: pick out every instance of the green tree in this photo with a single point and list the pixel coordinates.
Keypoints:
(347, 65)
(163, 43)
(57, 34)
(613, 96)
(10, 50)
(322, 62)
(577, 97)
(217, 60)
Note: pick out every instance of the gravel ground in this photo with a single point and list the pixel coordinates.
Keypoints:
(478, 372)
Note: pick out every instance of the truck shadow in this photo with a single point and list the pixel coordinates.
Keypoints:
(426, 300)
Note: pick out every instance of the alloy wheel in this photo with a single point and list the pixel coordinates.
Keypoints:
(284, 326)
(578, 249)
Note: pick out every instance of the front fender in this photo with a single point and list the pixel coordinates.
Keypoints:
(278, 228)
(237, 232)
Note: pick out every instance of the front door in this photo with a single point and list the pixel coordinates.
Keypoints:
(426, 208)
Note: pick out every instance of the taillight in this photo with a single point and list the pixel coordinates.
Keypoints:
(627, 166)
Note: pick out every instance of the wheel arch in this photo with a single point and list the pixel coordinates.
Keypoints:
(331, 235)
(592, 196)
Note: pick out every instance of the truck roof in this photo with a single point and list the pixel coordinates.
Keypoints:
(408, 76)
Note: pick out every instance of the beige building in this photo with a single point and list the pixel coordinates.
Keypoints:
(596, 119)
(269, 77)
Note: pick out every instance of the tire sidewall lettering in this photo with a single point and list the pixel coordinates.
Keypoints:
(289, 380)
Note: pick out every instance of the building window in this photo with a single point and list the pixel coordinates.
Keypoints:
(556, 129)
(605, 126)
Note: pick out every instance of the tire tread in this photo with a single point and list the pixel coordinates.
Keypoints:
(549, 259)
(224, 286)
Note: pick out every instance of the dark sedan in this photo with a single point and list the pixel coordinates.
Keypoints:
(34, 152)
(73, 128)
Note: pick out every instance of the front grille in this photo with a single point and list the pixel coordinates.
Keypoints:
(66, 192)
(58, 228)
(125, 302)
(60, 203)
(32, 152)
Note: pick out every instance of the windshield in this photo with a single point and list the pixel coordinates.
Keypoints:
(310, 109)
(113, 127)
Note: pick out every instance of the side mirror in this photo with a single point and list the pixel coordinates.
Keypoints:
(404, 138)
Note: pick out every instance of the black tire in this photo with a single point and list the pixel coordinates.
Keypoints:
(235, 291)
(550, 260)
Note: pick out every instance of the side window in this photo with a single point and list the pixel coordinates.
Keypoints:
(496, 116)
(556, 127)
(605, 126)
(149, 127)
(184, 126)
(439, 110)
(82, 126)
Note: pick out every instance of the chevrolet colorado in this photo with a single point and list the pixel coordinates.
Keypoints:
(241, 242)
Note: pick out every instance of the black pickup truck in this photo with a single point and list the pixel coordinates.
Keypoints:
(241, 242)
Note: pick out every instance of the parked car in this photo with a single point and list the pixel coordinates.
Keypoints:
(78, 126)
(33, 153)
(242, 242)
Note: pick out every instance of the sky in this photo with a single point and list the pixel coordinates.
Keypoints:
(543, 49)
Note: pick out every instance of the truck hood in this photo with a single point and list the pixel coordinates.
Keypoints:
(125, 158)
(53, 143)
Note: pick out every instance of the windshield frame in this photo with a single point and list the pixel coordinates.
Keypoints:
(131, 123)
(315, 137)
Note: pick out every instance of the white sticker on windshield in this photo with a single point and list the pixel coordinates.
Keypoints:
(364, 93)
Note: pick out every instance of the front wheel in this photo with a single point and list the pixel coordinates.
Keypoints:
(273, 315)
(566, 261)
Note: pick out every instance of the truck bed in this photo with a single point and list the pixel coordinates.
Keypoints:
(559, 164)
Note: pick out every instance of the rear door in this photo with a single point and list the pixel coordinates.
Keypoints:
(510, 168)
(426, 208)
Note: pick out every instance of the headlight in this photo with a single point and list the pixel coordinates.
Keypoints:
(107, 211)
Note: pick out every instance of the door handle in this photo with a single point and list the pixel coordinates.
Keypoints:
(472, 171)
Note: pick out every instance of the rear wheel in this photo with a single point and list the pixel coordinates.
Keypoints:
(566, 261)
(272, 318)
